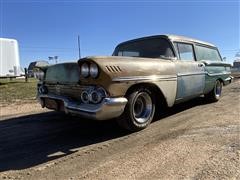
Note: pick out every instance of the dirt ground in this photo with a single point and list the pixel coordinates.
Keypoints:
(194, 140)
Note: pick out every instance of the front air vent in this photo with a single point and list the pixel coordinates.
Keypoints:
(113, 69)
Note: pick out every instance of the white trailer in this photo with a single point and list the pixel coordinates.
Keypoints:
(9, 58)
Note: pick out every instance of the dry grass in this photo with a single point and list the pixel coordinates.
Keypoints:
(17, 90)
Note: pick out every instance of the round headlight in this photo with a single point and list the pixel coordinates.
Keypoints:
(94, 70)
(85, 70)
(42, 90)
(85, 97)
(95, 97)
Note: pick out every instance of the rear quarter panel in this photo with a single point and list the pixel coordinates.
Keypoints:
(215, 71)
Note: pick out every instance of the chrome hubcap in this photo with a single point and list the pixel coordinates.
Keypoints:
(142, 107)
(218, 89)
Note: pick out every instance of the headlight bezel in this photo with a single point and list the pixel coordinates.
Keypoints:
(94, 70)
(87, 95)
(42, 89)
(85, 70)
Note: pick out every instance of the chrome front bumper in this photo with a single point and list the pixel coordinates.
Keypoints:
(109, 107)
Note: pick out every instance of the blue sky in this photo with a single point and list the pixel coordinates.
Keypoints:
(49, 28)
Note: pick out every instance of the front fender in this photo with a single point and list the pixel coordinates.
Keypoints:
(118, 74)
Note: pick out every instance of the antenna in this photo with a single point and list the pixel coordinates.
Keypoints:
(79, 50)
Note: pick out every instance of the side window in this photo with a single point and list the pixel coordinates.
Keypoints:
(207, 53)
(185, 51)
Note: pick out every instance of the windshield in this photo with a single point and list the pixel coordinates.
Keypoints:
(149, 48)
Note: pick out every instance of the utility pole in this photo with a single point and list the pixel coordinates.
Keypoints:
(79, 50)
(56, 57)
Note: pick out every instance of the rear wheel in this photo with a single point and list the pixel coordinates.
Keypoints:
(216, 93)
(139, 110)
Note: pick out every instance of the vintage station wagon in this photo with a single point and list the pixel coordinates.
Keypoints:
(140, 78)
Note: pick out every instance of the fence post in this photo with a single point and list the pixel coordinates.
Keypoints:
(26, 75)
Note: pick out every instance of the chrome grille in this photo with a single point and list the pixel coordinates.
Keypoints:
(66, 90)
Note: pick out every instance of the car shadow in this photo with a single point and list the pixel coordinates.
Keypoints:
(28, 141)
(182, 107)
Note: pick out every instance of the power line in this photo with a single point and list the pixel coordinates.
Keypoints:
(58, 48)
(230, 50)
(79, 49)
(47, 50)
(63, 48)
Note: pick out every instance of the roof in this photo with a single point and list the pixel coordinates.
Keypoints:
(8, 40)
(184, 38)
(173, 38)
(37, 63)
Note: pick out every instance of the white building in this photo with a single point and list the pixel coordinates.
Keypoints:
(9, 58)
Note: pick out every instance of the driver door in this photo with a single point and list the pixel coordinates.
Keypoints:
(190, 73)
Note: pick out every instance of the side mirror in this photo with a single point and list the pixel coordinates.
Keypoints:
(224, 58)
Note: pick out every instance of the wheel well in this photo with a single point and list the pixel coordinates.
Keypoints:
(217, 79)
(220, 80)
(161, 102)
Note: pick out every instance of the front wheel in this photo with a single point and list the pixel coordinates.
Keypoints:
(139, 110)
(216, 93)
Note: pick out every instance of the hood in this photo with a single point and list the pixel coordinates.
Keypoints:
(116, 66)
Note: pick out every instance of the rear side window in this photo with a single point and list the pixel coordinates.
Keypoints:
(185, 51)
(206, 53)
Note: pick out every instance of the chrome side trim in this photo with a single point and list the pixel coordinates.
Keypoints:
(166, 77)
(109, 107)
(191, 73)
(145, 78)
(203, 73)
(218, 74)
